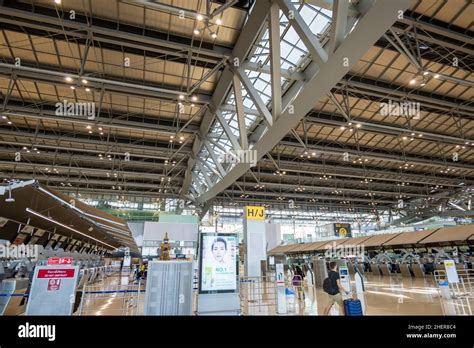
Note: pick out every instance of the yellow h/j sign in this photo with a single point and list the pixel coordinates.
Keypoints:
(254, 213)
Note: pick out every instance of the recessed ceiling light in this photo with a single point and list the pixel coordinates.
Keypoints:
(9, 122)
(181, 96)
(68, 79)
(88, 127)
(4, 117)
(194, 98)
(88, 89)
(214, 35)
(436, 76)
(72, 87)
(412, 81)
(199, 17)
(196, 32)
(57, 2)
(84, 81)
(218, 21)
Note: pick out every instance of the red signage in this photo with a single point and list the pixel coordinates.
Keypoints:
(60, 261)
(54, 284)
(56, 273)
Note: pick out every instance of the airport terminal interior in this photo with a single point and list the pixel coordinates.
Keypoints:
(232, 157)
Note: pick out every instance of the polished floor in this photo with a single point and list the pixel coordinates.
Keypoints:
(395, 295)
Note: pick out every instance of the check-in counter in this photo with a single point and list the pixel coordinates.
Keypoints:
(91, 276)
(440, 267)
(84, 274)
(417, 270)
(375, 269)
(384, 270)
(405, 270)
(12, 305)
(360, 268)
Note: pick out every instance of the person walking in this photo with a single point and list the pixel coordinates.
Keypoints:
(332, 286)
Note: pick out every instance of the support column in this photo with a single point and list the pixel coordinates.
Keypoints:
(254, 239)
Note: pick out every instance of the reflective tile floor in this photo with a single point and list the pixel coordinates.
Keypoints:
(383, 296)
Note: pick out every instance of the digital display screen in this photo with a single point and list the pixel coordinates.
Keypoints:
(218, 263)
(343, 271)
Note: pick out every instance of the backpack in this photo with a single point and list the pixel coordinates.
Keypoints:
(328, 287)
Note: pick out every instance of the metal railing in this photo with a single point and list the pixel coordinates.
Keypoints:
(258, 295)
(463, 289)
(112, 300)
(457, 297)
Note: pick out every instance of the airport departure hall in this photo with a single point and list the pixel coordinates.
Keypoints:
(284, 158)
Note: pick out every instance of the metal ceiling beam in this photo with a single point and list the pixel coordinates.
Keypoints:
(266, 69)
(77, 144)
(108, 84)
(101, 32)
(381, 90)
(48, 157)
(63, 170)
(361, 173)
(317, 188)
(248, 35)
(378, 18)
(322, 118)
(303, 196)
(401, 159)
(105, 123)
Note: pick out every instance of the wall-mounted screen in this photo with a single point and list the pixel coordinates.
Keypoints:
(218, 263)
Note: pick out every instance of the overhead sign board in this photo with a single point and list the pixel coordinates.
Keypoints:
(254, 213)
(342, 230)
(60, 261)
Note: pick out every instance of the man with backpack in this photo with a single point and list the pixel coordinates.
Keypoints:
(332, 286)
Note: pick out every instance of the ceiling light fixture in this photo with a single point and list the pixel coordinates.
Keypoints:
(68, 79)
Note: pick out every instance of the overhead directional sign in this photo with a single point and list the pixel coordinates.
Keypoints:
(254, 213)
(342, 230)
(60, 261)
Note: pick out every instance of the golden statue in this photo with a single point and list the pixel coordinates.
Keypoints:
(165, 248)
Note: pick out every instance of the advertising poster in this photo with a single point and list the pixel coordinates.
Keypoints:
(219, 271)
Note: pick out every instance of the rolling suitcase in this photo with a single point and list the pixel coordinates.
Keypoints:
(352, 307)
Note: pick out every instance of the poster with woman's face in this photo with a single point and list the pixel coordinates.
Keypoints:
(219, 263)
